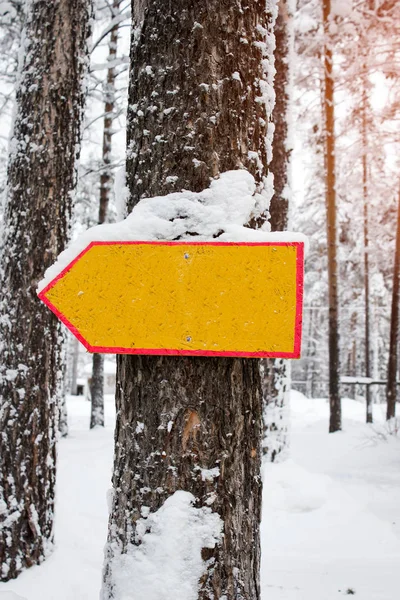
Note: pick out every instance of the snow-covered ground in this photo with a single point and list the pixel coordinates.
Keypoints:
(73, 571)
(331, 517)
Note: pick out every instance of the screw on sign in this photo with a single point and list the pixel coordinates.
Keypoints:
(183, 298)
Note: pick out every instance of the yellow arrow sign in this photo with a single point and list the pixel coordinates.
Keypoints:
(182, 298)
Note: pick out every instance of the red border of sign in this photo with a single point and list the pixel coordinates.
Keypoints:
(116, 350)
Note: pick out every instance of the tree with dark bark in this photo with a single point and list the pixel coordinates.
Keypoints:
(281, 117)
(199, 105)
(276, 371)
(41, 177)
(335, 419)
(391, 390)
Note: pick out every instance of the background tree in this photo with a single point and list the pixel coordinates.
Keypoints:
(103, 152)
(364, 41)
(276, 372)
(41, 176)
(97, 383)
(199, 104)
(335, 419)
(11, 17)
(394, 328)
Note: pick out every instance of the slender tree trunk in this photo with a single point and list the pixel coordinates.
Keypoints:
(97, 386)
(63, 416)
(276, 389)
(368, 396)
(281, 118)
(75, 359)
(97, 392)
(310, 354)
(41, 176)
(276, 372)
(335, 421)
(198, 106)
(391, 391)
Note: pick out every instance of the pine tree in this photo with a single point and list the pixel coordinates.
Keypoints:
(41, 176)
(199, 105)
(394, 328)
(308, 215)
(276, 372)
(362, 38)
(335, 421)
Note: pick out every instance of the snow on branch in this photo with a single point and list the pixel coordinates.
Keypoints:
(119, 18)
(109, 64)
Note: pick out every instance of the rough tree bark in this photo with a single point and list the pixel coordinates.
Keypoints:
(335, 420)
(391, 391)
(97, 385)
(276, 372)
(40, 179)
(197, 108)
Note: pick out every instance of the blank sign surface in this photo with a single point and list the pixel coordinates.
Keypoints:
(232, 299)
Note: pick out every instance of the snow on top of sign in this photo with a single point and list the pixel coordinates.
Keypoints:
(178, 532)
(218, 213)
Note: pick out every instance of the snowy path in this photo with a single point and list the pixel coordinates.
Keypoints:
(331, 520)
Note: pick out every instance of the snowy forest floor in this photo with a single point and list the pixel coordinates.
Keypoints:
(331, 516)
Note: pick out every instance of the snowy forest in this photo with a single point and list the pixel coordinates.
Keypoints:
(261, 462)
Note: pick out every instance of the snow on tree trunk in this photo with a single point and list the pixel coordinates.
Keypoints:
(41, 176)
(63, 414)
(275, 373)
(199, 102)
(97, 385)
(335, 421)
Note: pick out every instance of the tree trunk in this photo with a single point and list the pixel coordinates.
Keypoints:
(335, 420)
(276, 372)
(281, 118)
(368, 396)
(199, 105)
(310, 354)
(97, 386)
(97, 392)
(75, 360)
(41, 176)
(276, 409)
(391, 391)
(63, 414)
